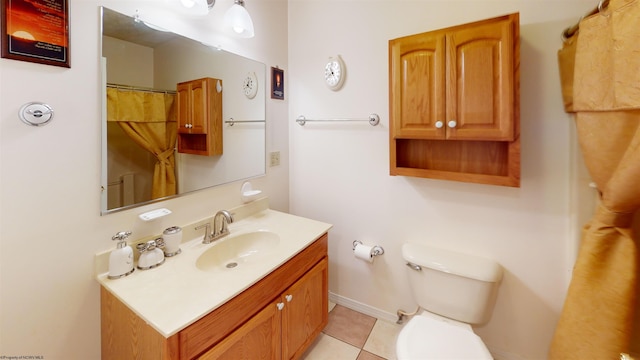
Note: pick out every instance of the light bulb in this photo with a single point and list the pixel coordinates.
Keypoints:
(238, 18)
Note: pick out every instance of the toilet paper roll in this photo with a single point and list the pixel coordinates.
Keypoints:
(363, 252)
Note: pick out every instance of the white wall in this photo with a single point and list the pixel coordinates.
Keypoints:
(340, 172)
(50, 227)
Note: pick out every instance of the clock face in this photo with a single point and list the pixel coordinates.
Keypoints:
(334, 73)
(250, 85)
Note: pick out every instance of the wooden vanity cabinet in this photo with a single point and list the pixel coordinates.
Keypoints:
(199, 112)
(276, 318)
(284, 328)
(454, 103)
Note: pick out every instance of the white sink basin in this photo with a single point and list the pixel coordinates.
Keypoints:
(235, 250)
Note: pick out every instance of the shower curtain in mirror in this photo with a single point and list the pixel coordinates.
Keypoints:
(149, 119)
(600, 73)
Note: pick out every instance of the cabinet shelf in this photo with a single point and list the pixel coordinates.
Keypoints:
(484, 162)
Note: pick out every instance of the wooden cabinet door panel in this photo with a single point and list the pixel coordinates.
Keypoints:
(200, 104)
(417, 85)
(257, 339)
(183, 107)
(480, 82)
(192, 107)
(305, 311)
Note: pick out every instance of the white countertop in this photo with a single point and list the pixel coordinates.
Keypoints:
(177, 293)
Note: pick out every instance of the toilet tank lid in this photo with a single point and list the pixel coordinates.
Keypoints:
(470, 266)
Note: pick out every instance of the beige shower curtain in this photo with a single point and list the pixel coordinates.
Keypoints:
(600, 73)
(149, 119)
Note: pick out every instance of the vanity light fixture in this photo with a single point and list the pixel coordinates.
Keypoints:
(198, 7)
(238, 18)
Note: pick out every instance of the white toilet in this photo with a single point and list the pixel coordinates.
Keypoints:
(455, 291)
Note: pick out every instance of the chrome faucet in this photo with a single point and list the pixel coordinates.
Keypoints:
(221, 222)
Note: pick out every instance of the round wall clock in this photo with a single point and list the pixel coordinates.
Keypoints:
(334, 73)
(250, 85)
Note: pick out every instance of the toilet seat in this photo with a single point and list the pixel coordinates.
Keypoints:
(427, 337)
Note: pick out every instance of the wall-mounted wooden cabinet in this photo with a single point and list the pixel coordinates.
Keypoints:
(454, 103)
(199, 109)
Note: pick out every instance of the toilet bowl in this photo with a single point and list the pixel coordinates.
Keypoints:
(428, 336)
(454, 290)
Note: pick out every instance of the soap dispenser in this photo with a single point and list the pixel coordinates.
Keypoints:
(121, 259)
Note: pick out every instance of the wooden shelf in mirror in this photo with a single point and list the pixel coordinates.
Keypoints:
(199, 109)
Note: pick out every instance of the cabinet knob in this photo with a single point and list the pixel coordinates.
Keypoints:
(280, 306)
(288, 297)
(439, 124)
(452, 123)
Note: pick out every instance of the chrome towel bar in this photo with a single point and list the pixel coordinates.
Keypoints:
(373, 119)
(232, 122)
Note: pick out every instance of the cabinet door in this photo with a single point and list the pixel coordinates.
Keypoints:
(257, 339)
(192, 106)
(480, 82)
(199, 108)
(183, 107)
(305, 312)
(417, 75)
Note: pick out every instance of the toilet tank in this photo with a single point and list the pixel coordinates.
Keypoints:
(454, 285)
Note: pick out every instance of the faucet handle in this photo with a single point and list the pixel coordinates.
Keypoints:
(159, 242)
(207, 232)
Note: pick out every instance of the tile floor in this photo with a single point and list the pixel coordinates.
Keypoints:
(351, 335)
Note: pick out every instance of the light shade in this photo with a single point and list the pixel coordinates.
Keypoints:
(239, 20)
(198, 7)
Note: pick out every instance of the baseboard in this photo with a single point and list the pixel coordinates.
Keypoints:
(362, 308)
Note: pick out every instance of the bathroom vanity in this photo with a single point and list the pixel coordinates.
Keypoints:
(269, 305)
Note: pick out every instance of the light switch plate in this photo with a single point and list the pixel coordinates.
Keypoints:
(274, 159)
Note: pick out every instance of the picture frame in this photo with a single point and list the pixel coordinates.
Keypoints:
(277, 83)
(36, 31)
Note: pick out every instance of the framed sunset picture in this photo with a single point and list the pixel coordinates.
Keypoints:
(277, 83)
(36, 31)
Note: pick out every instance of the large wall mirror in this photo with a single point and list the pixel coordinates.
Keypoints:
(141, 67)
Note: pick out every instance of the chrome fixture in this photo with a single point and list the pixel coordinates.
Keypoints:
(36, 113)
(239, 20)
(207, 238)
(221, 222)
(375, 251)
(373, 120)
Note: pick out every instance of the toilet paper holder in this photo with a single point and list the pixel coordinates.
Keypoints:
(376, 250)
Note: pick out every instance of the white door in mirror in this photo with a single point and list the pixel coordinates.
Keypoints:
(334, 73)
(250, 85)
